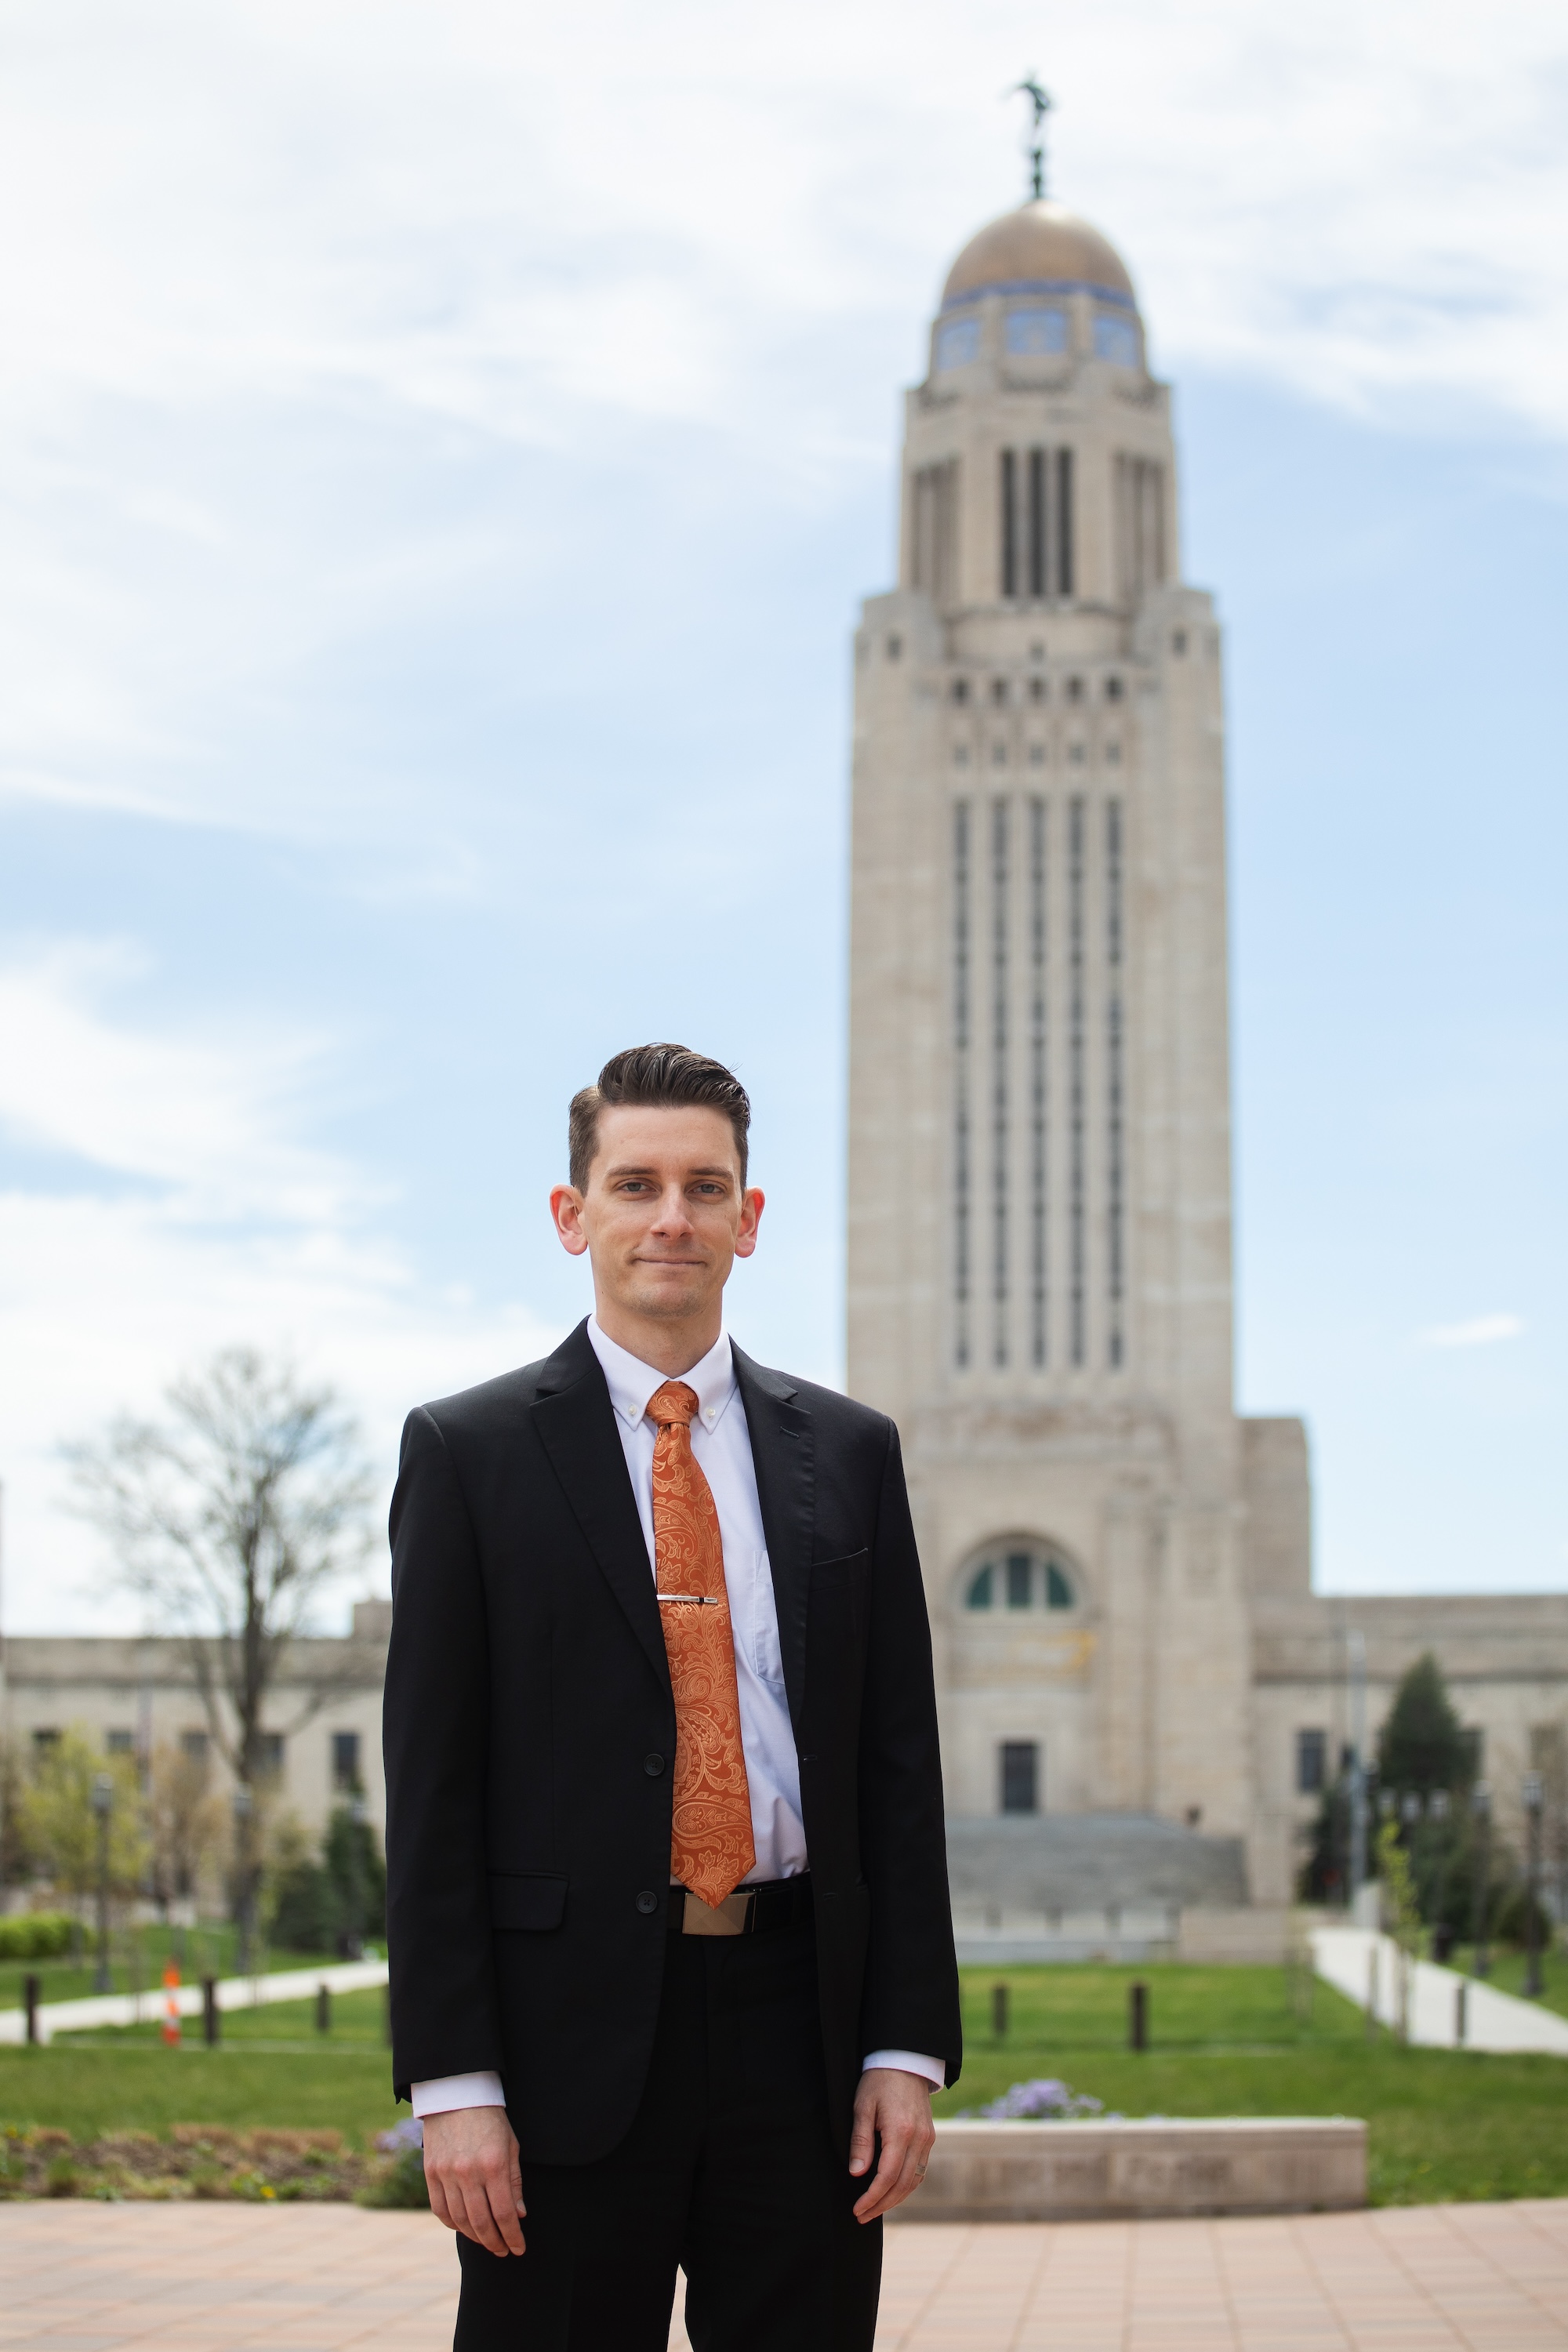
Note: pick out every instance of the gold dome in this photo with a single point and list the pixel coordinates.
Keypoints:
(1040, 246)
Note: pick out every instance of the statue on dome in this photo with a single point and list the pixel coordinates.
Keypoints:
(1034, 137)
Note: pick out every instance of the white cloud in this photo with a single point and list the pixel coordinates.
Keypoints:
(1481, 1331)
(235, 243)
(230, 1229)
(500, 214)
(199, 1117)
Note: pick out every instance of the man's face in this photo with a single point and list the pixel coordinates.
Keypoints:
(664, 1215)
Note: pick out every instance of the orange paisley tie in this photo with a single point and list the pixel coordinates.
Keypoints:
(710, 1847)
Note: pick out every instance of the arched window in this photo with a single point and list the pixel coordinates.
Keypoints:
(1020, 1576)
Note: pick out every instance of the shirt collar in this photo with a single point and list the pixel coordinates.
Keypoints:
(632, 1382)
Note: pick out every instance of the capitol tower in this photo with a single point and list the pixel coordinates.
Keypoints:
(1039, 1242)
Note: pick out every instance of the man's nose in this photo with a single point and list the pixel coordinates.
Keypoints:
(672, 1212)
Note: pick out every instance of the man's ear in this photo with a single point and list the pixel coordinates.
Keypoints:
(566, 1210)
(753, 1204)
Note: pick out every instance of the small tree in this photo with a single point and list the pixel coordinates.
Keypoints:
(299, 1902)
(1401, 1911)
(1423, 1745)
(332, 1904)
(1326, 1839)
(61, 1825)
(16, 1858)
(186, 1819)
(227, 1521)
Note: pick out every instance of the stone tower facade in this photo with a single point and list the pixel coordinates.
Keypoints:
(1040, 1245)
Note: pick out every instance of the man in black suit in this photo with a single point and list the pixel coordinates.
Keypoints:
(672, 1963)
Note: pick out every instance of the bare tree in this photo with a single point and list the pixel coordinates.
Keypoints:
(228, 1520)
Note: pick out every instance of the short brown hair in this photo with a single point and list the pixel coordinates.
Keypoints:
(655, 1077)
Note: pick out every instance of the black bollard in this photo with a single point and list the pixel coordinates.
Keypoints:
(1138, 2017)
(323, 2008)
(209, 2012)
(999, 2011)
(31, 1993)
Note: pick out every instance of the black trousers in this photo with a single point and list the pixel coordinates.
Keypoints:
(729, 2171)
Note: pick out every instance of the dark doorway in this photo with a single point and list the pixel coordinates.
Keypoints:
(1020, 1775)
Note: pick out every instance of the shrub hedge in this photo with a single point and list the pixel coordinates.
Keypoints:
(35, 1935)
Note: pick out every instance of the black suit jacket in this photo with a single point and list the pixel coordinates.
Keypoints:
(530, 1730)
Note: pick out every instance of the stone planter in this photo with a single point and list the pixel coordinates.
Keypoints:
(1122, 2170)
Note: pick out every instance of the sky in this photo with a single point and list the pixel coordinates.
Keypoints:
(442, 448)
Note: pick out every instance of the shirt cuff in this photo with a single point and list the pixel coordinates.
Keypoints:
(907, 2061)
(449, 2091)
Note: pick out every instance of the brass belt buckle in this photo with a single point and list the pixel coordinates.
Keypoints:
(730, 1918)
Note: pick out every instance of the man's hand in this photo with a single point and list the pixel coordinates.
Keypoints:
(897, 2108)
(471, 2171)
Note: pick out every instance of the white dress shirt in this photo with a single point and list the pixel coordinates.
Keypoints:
(721, 1447)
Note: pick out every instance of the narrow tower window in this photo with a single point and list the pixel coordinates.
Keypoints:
(1077, 1290)
(1115, 1140)
(1038, 1078)
(961, 1023)
(1000, 1107)
(1036, 522)
(1009, 522)
(1063, 523)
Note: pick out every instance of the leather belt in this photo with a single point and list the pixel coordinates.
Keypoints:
(749, 1911)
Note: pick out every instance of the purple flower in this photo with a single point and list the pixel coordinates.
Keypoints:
(408, 2133)
(1046, 2099)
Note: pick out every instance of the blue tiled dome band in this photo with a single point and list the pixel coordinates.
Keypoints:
(1039, 286)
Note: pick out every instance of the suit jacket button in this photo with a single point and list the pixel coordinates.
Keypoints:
(647, 1900)
(653, 1766)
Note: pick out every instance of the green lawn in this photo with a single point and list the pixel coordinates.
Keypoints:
(205, 1951)
(89, 2091)
(1242, 2040)
(271, 2067)
(1235, 2042)
(1507, 1973)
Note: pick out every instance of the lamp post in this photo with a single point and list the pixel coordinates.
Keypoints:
(1532, 1792)
(1481, 1812)
(102, 1806)
(243, 1807)
(1443, 1934)
(356, 1937)
(1355, 1650)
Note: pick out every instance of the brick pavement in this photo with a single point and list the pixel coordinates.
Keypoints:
(233, 2278)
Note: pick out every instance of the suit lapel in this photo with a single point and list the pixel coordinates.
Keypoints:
(783, 1452)
(577, 1425)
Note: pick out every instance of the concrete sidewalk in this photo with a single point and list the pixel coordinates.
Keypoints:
(233, 2278)
(1447, 2011)
(147, 2008)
